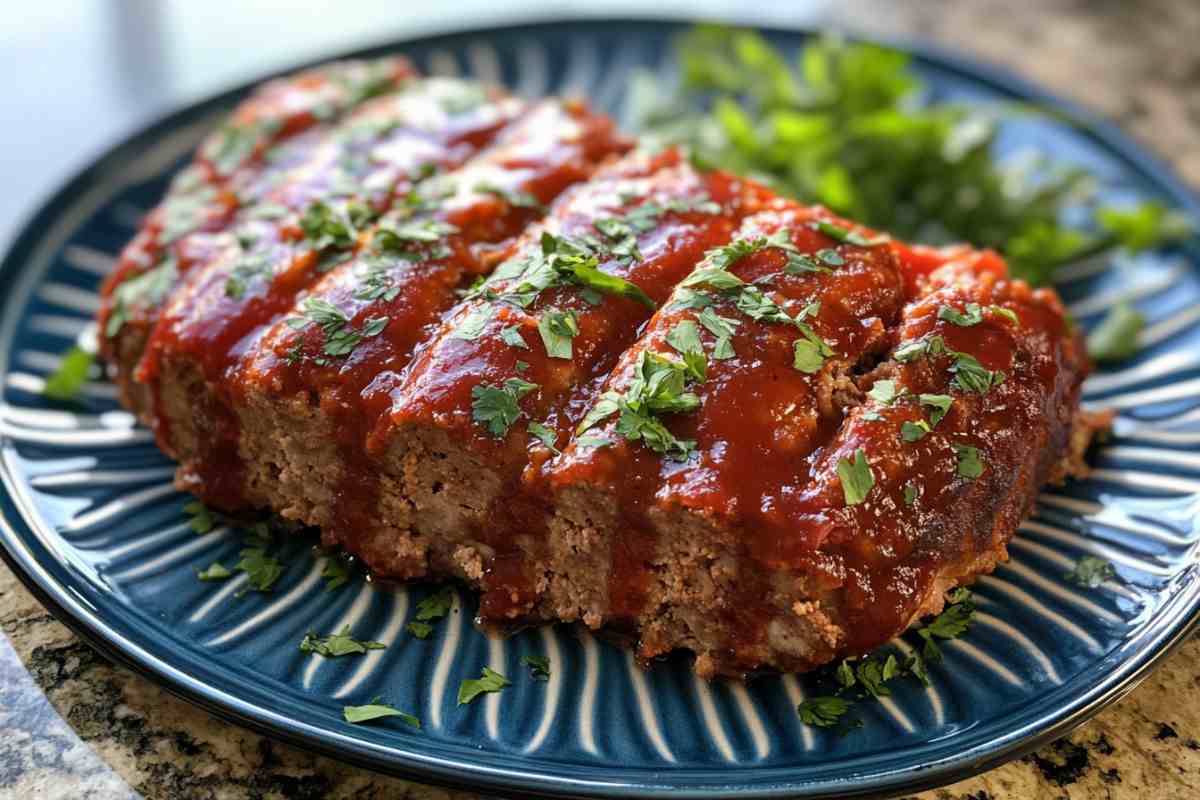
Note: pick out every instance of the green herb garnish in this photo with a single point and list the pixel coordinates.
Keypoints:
(1090, 572)
(338, 644)
(357, 714)
(489, 681)
(68, 379)
(497, 407)
(856, 476)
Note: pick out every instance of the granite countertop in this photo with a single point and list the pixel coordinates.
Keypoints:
(76, 726)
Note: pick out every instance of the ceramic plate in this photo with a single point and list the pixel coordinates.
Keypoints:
(95, 528)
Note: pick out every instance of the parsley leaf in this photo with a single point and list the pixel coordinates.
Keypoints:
(338, 644)
(496, 407)
(544, 435)
(72, 373)
(539, 666)
(910, 494)
(883, 392)
(514, 197)
(557, 329)
(940, 403)
(262, 570)
(970, 466)
(856, 476)
(489, 681)
(216, 572)
(874, 674)
(972, 316)
(847, 236)
(357, 714)
(472, 325)
(421, 630)
(146, 289)
(685, 338)
(340, 338)
(511, 336)
(437, 605)
(721, 327)
(953, 622)
(823, 712)
(914, 431)
(1115, 338)
(201, 518)
(1090, 571)
(336, 570)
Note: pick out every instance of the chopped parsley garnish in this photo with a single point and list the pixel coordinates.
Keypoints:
(216, 571)
(336, 571)
(557, 329)
(911, 431)
(823, 712)
(809, 353)
(856, 476)
(685, 338)
(512, 337)
(72, 373)
(514, 197)
(340, 337)
(497, 407)
(658, 388)
(1007, 313)
(544, 435)
(262, 570)
(376, 284)
(622, 232)
(201, 518)
(436, 606)
(421, 630)
(969, 374)
(472, 325)
(560, 261)
(883, 392)
(593, 440)
(147, 289)
(910, 494)
(1115, 338)
(873, 674)
(970, 466)
(338, 644)
(539, 667)
(721, 327)
(846, 236)
(332, 233)
(1090, 571)
(233, 145)
(489, 681)
(393, 236)
(357, 714)
(940, 403)
(972, 316)
(248, 268)
(953, 622)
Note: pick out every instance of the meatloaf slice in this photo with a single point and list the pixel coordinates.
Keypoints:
(506, 377)
(278, 126)
(812, 520)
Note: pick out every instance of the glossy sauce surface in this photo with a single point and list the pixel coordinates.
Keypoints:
(438, 389)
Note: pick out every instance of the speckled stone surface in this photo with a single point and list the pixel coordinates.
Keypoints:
(75, 727)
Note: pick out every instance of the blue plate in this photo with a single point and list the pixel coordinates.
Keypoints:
(95, 529)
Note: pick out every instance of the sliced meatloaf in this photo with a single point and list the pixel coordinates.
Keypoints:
(470, 335)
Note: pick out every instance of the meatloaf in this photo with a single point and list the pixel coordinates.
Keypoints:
(472, 336)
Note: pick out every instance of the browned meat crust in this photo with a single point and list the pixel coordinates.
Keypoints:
(816, 435)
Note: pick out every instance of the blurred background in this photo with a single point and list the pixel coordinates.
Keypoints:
(77, 77)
